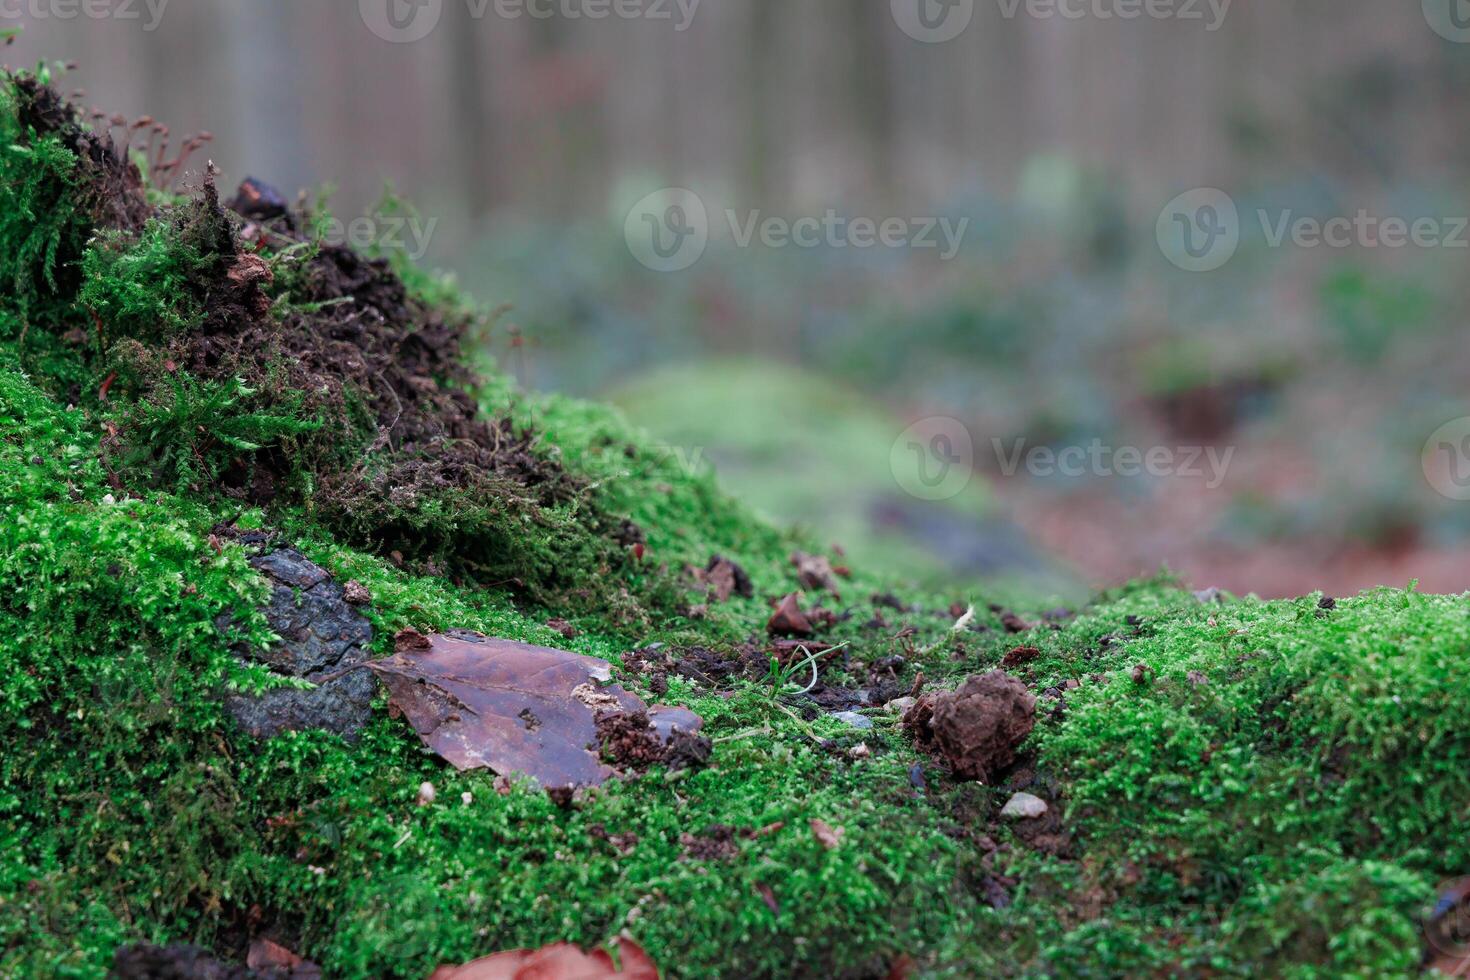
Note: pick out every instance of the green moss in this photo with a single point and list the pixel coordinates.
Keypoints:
(142, 286)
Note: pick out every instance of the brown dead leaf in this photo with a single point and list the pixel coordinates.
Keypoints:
(561, 961)
(814, 571)
(788, 619)
(511, 707)
(725, 578)
(828, 836)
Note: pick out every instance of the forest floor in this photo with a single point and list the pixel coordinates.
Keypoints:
(266, 539)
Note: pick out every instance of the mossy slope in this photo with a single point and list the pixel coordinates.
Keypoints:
(1248, 787)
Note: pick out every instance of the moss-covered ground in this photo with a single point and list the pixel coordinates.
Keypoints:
(1244, 787)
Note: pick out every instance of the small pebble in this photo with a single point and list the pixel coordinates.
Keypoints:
(854, 719)
(1024, 806)
(860, 751)
(467, 798)
(426, 794)
(900, 705)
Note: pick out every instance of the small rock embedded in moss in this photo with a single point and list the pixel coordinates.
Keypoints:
(1024, 806)
(322, 637)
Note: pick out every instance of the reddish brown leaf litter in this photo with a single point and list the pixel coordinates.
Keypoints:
(515, 708)
(724, 578)
(1019, 656)
(815, 572)
(562, 961)
(977, 728)
(788, 619)
(828, 836)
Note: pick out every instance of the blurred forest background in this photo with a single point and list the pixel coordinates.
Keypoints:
(524, 141)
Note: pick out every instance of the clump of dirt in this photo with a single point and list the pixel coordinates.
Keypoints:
(976, 729)
(628, 739)
(715, 670)
(361, 382)
(631, 741)
(115, 196)
(719, 842)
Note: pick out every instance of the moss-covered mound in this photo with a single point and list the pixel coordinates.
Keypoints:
(1234, 787)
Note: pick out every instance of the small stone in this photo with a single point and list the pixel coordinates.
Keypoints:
(1024, 806)
(860, 751)
(900, 705)
(1209, 595)
(426, 794)
(467, 798)
(854, 719)
(354, 593)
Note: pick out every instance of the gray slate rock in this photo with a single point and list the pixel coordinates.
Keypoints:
(321, 635)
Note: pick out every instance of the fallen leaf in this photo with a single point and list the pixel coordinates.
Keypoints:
(828, 836)
(788, 619)
(511, 707)
(725, 578)
(769, 897)
(561, 961)
(814, 571)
